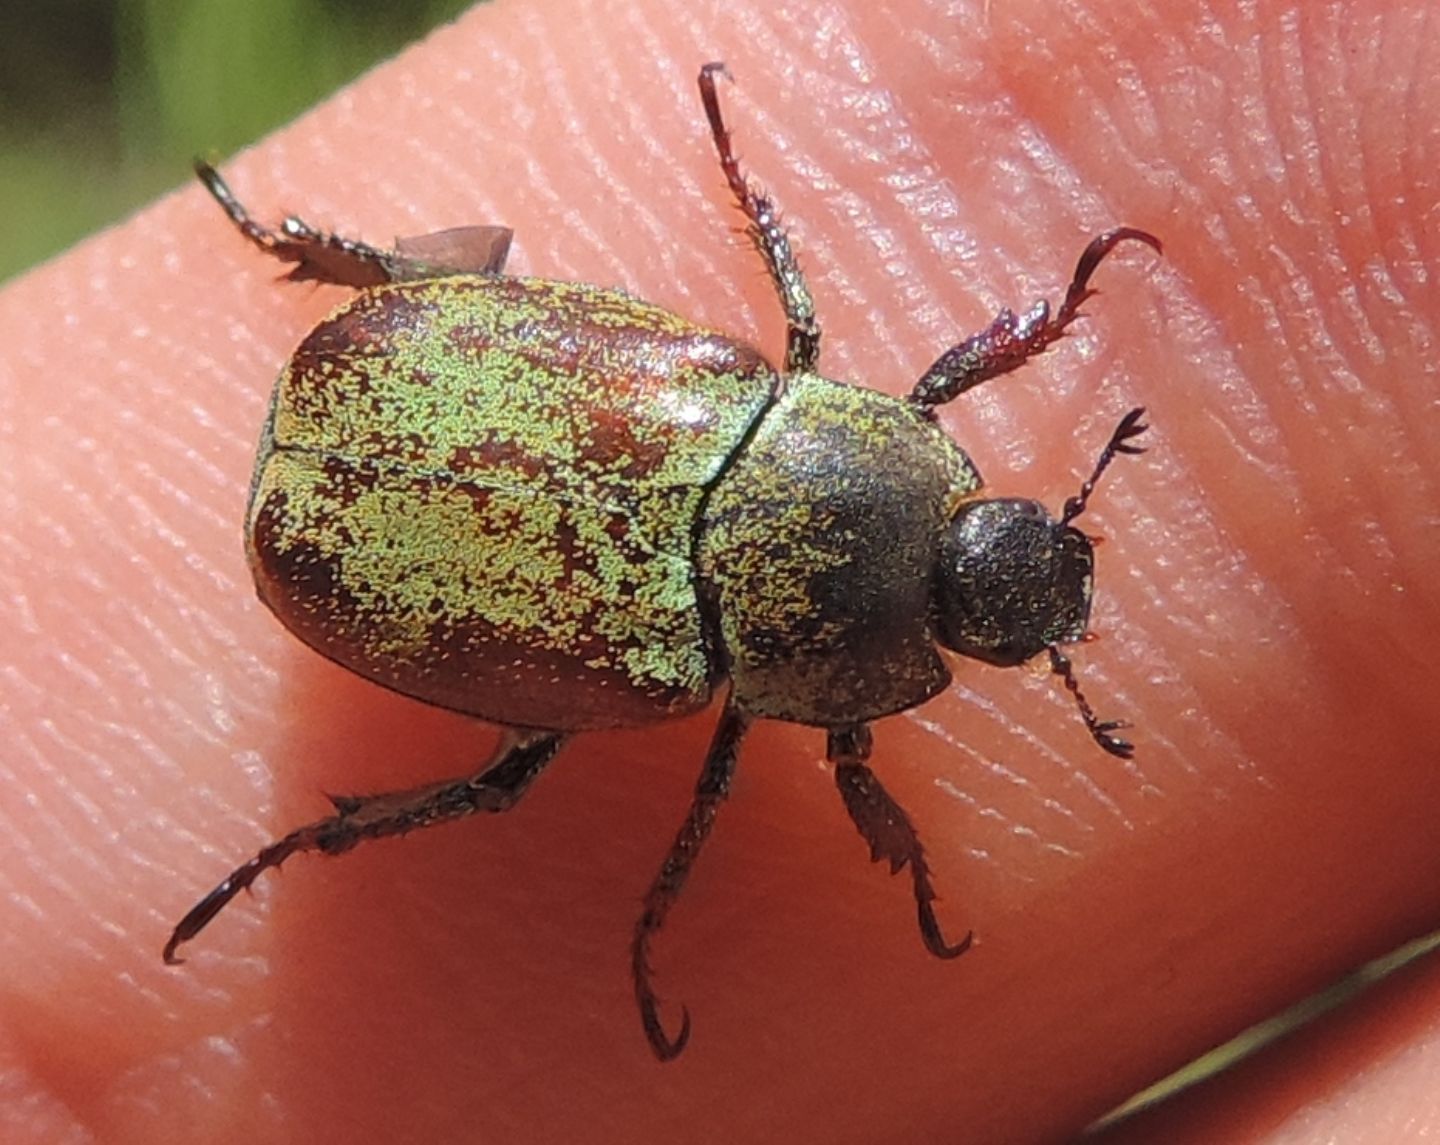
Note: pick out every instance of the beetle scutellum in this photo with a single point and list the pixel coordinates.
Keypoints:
(559, 508)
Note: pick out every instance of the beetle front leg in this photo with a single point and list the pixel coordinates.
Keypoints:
(886, 828)
(1012, 339)
(322, 257)
(520, 758)
(710, 793)
(802, 343)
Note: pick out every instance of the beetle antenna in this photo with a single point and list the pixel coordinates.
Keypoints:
(1120, 442)
(1099, 729)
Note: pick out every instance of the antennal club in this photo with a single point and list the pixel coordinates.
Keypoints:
(1099, 729)
(1130, 427)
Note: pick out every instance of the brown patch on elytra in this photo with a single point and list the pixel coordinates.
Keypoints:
(491, 455)
(310, 581)
(366, 328)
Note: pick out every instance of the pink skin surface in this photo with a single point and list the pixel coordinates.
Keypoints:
(1265, 598)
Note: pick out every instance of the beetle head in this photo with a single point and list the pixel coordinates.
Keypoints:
(1012, 581)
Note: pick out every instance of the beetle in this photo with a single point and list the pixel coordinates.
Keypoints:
(559, 508)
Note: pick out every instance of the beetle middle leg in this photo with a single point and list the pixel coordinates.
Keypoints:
(1011, 339)
(520, 758)
(887, 829)
(710, 793)
(322, 257)
(802, 343)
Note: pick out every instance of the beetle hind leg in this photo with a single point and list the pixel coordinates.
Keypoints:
(887, 829)
(322, 257)
(802, 345)
(520, 758)
(710, 793)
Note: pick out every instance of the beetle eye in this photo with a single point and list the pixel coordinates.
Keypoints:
(1011, 582)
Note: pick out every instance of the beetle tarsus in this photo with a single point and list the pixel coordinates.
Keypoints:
(934, 938)
(199, 916)
(884, 825)
(521, 757)
(1010, 340)
(710, 793)
(1093, 255)
(665, 1047)
(322, 257)
(802, 343)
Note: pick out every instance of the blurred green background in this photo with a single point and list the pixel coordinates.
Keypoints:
(103, 103)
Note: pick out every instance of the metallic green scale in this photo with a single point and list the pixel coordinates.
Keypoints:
(483, 491)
